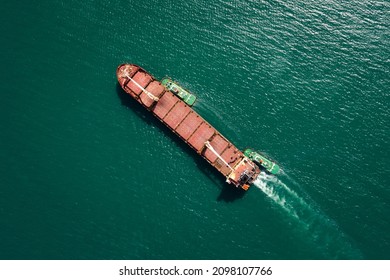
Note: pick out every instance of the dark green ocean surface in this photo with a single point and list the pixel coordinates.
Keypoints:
(87, 173)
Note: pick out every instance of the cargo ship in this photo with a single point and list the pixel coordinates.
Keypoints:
(179, 117)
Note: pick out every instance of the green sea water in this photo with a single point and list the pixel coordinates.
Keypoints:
(87, 173)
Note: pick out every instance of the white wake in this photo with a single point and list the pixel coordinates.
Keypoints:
(320, 229)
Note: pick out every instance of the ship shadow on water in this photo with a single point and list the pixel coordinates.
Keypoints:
(228, 192)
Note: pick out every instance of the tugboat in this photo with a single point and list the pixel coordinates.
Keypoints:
(262, 161)
(175, 88)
